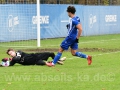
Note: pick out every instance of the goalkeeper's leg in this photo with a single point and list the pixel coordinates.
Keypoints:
(40, 62)
(57, 58)
(45, 55)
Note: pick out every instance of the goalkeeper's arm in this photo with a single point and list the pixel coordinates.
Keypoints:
(14, 60)
(12, 63)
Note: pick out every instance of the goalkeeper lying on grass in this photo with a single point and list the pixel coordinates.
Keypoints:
(28, 58)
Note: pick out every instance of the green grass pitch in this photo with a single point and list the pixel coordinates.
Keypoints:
(75, 74)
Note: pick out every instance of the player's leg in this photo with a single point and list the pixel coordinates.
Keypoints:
(64, 46)
(74, 52)
(52, 55)
(57, 57)
(40, 62)
(62, 59)
(78, 54)
(45, 55)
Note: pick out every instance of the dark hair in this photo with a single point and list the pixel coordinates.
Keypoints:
(10, 49)
(71, 9)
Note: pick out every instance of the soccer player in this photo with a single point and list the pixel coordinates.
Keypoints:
(28, 59)
(74, 31)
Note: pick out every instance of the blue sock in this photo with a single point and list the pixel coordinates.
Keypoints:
(57, 57)
(79, 54)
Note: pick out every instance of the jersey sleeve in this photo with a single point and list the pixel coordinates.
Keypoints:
(12, 63)
(14, 60)
(76, 21)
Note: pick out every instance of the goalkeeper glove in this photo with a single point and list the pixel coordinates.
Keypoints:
(6, 59)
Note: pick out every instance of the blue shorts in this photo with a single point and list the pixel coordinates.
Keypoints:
(68, 42)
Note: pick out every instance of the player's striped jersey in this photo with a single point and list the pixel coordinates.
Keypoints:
(72, 30)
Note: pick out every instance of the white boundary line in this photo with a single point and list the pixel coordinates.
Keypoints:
(107, 53)
(98, 54)
(101, 41)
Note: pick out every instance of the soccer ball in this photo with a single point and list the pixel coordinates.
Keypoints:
(5, 63)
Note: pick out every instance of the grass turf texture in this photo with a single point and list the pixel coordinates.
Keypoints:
(75, 74)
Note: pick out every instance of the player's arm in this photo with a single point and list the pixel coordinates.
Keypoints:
(79, 27)
(12, 63)
(15, 60)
